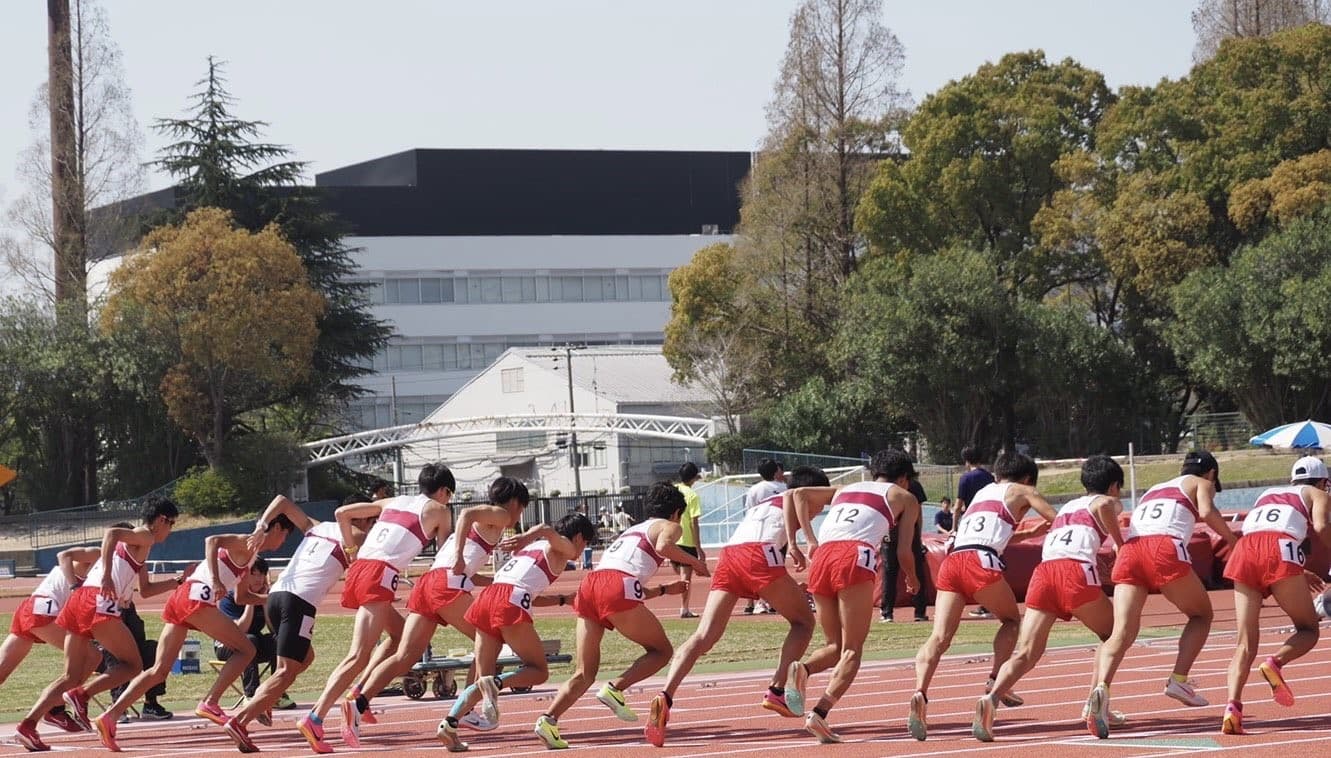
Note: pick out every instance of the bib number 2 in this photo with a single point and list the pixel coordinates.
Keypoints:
(107, 606)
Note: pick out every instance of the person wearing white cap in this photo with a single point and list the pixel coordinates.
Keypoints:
(1268, 560)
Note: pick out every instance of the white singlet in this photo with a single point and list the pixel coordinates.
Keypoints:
(51, 594)
(988, 523)
(475, 552)
(1165, 509)
(860, 512)
(1279, 509)
(1075, 533)
(633, 552)
(124, 572)
(316, 565)
(398, 535)
(528, 572)
(200, 581)
(764, 523)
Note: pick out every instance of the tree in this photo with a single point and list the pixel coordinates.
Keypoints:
(1215, 21)
(234, 309)
(220, 162)
(1297, 187)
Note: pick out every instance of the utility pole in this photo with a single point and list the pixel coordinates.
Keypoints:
(572, 422)
(397, 451)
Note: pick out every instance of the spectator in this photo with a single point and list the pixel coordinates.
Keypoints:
(943, 520)
(605, 522)
(772, 482)
(976, 478)
(621, 520)
(380, 490)
(252, 619)
(688, 541)
(892, 566)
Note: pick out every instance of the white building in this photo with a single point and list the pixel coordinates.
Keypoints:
(623, 380)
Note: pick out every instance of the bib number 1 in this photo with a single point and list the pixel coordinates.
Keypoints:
(772, 555)
(1181, 550)
(867, 559)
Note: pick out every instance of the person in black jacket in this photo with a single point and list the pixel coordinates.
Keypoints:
(892, 567)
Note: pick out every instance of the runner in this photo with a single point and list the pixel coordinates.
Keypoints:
(293, 602)
(93, 613)
(193, 606)
(443, 594)
(611, 597)
(404, 525)
(1268, 560)
(1155, 557)
(502, 616)
(972, 572)
(1066, 583)
(34, 621)
(843, 572)
(753, 565)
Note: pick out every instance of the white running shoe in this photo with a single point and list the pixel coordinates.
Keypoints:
(477, 723)
(1186, 693)
(489, 697)
(817, 726)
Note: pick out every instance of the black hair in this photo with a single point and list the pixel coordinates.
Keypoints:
(891, 465)
(971, 454)
(767, 469)
(945, 499)
(1309, 482)
(664, 500)
(1197, 463)
(122, 525)
(573, 524)
(1014, 467)
(1099, 473)
(808, 476)
(380, 484)
(158, 506)
(281, 521)
(688, 472)
(355, 499)
(506, 488)
(434, 477)
(259, 566)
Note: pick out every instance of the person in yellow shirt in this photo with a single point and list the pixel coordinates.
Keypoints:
(689, 541)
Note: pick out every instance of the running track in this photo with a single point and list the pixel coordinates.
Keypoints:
(717, 715)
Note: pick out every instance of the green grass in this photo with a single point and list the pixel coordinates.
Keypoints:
(749, 644)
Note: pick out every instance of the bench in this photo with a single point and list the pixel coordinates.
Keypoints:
(440, 672)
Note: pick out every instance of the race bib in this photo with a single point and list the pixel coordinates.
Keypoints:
(990, 561)
(521, 598)
(201, 592)
(107, 606)
(773, 556)
(1292, 552)
(315, 553)
(1181, 550)
(307, 627)
(388, 580)
(1092, 574)
(456, 582)
(868, 558)
(45, 606)
(632, 589)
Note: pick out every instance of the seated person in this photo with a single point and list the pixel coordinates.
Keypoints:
(251, 618)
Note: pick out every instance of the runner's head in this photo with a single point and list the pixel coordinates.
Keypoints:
(1202, 463)
(578, 529)
(276, 532)
(258, 577)
(664, 500)
(808, 476)
(1101, 475)
(688, 473)
(1016, 468)
(437, 482)
(1311, 471)
(893, 466)
(768, 469)
(970, 455)
(511, 495)
(159, 515)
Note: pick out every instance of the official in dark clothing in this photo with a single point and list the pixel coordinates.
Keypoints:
(256, 629)
(892, 566)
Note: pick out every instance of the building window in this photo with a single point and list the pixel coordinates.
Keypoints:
(520, 441)
(511, 379)
(590, 456)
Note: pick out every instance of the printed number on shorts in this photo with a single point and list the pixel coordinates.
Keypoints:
(521, 599)
(868, 559)
(389, 580)
(990, 561)
(45, 607)
(773, 556)
(107, 606)
(306, 627)
(1181, 550)
(201, 592)
(1292, 552)
(1092, 574)
(632, 589)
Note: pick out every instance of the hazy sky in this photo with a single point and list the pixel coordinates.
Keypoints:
(344, 81)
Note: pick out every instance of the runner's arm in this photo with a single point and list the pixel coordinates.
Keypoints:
(1209, 513)
(667, 535)
(67, 558)
(282, 506)
(909, 508)
(346, 513)
(1106, 510)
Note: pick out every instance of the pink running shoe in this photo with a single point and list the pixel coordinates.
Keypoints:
(1280, 691)
(313, 734)
(211, 712)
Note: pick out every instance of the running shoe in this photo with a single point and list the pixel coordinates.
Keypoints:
(449, 736)
(265, 718)
(313, 734)
(1116, 718)
(28, 737)
(1232, 723)
(548, 731)
(1009, 699)
(350, 723)
(489, 697)
(981, 613)
(154, 712)
(106, 732)
(658, 715)
(77, 700)
(477, 723)
(1280, 692)
(982, 726)
(367, 717)
(285, 703)
(1097, 712)
(778, 705)
(817, 726)
(236, 731)
(60, 718)
(918, 723)
(213, 713)
(796, 681)
(614, 700)
(1185, 692)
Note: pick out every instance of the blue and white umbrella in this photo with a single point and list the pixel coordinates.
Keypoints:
(1297, 436)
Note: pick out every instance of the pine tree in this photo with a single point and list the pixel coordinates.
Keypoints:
(221, 161)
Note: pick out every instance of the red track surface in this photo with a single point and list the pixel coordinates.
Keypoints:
(718, 714)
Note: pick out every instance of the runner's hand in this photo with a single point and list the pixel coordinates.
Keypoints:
(1315, 583)
(912, 584)
(797, 558)
(701, 568)
(676, 587)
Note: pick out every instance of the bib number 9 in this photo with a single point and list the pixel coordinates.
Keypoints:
(1292, 552)
(633, 589)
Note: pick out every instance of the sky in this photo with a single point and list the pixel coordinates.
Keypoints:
(342, 81)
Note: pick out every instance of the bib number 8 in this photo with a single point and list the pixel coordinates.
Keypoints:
(522, 600)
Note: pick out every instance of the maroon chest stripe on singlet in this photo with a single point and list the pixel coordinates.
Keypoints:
(338, 552)
(123, 552)
(541, 561)
(869, 499)
(405, 519)
(475, 536)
